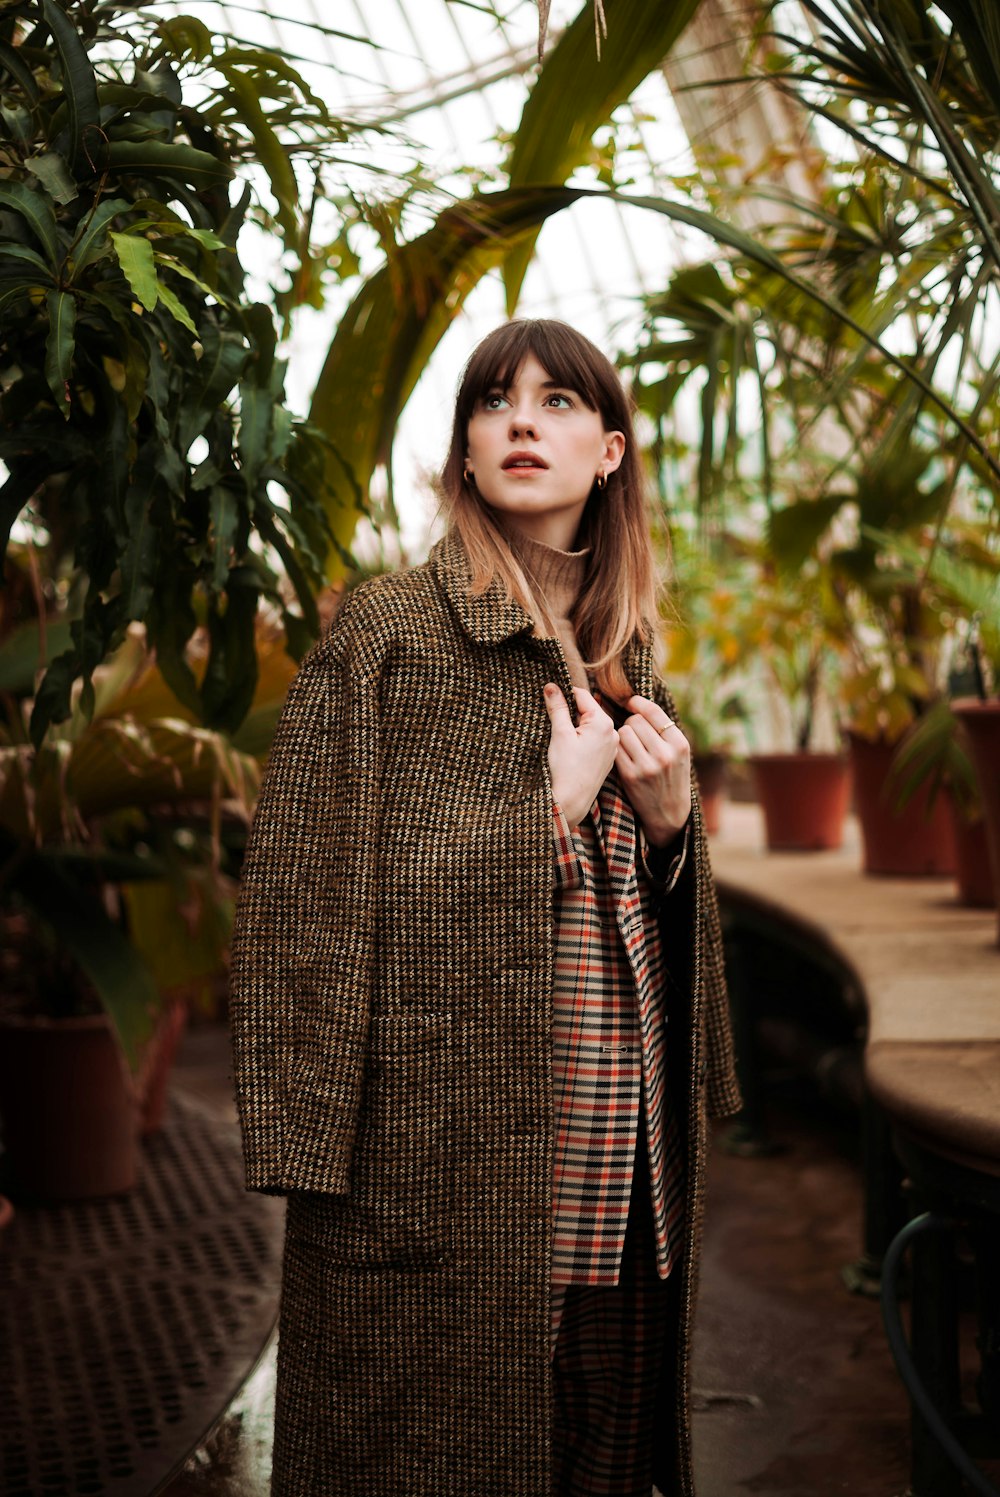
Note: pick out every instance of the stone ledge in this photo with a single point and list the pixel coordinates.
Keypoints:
(927, 968)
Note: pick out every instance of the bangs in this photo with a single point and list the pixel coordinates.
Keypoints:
(566, 356)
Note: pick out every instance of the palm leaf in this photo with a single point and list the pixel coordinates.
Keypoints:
(393, 325)
(398, 317)
(576, 93)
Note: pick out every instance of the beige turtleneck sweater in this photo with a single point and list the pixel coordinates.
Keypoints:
(558, 575)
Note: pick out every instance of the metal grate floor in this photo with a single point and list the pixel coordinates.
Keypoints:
(130, 1323)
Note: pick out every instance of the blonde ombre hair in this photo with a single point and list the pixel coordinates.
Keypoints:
(621, 594)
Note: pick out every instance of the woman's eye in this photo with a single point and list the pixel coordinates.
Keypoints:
(493, 402)
(566, 403)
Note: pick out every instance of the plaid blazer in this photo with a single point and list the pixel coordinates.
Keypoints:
(609, 1040)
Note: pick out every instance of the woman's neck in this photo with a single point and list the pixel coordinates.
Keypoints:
(556, 530)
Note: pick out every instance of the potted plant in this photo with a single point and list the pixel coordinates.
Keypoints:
(142, 418)
(931, 757)
(147, 445)
(794, 627)
(979, 713)
(112, 897)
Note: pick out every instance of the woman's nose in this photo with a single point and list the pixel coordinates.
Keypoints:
(522, 423)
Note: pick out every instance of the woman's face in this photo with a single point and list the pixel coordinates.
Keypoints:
(535, 449)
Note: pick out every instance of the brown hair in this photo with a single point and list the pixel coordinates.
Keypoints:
(620, 595)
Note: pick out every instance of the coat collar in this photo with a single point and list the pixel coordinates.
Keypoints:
(490, 619)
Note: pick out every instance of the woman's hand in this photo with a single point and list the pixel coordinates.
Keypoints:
(655, 770)
(579, 757)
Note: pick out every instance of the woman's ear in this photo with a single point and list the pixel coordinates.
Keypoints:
(614, 450)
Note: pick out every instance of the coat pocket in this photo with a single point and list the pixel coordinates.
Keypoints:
(400, 1212)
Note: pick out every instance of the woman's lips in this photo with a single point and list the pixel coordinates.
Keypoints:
(524, 462)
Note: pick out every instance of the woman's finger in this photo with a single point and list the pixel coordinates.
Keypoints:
(654, 741)
(640, 752)
(651, 713)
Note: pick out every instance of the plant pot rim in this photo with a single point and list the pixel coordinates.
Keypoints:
(976, 706)
(48, 1021)
(855, 735)
(831, 756)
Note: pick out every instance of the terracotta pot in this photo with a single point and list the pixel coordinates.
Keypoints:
(913, 842)
(804, 798)
(972, 853)
(710, 769)
(981, 729)
(157, 1062)
(69, 1109)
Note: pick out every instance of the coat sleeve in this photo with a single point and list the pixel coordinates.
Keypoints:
(722, 1087)
(303, 936)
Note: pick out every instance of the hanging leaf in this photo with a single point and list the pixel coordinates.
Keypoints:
(11, 62)
(51, 170)
(135, 256)
(256, 411)
(36, 210)
(576, 93)
(27, 256)
(225, 521)
(175, 306)
(157, 158)
(219, 369)
(86, 140)
(270, 152)
(94, 240)
(59, 346)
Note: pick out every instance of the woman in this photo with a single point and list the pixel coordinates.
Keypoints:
(478, 1004)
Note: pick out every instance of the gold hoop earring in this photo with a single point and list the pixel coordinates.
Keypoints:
(602, 480)
(467, 473)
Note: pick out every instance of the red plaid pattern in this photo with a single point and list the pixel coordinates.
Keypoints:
(609, 1045)
(611, 1368)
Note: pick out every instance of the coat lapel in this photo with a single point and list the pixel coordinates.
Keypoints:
(490, 619)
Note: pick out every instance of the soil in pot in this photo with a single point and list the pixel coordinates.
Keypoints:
(804, 798)
(913, 842)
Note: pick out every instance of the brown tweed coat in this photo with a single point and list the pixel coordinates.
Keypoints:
(391, 1008)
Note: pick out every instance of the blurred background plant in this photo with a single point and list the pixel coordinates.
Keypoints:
(152, 462)
(119, 849)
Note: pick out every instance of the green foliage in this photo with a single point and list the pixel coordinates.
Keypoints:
(99, 814)
(930, 754)
(142, 421)
(576, 93)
